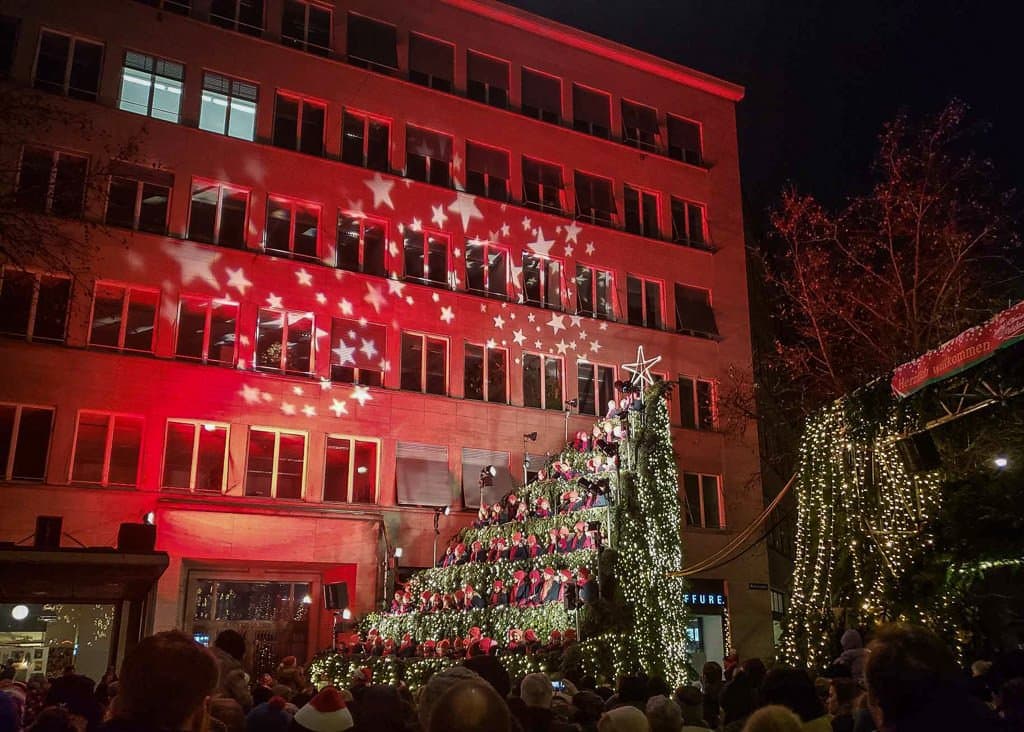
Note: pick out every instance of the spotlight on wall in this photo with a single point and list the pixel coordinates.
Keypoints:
(19, 612)
(346, 614)
(398, 552)
(1001, 462)
(487, 476)
(149, 518)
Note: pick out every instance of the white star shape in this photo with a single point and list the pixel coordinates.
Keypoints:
(561, 346)
(416, 225)
(575, 320)
(641, 368)
(569, 250)
(274, 301)
(499, 322)
(457, 161)
(236, 279)
(491, 343)
(381, 188)
(590, 248)
(595, 346)
(338, 408)
(297, 390)
(505, 230)
(309, 410)
(321, 298)
(361, 394)
(536, 344)
(583, 335)
(572, 345)
(287, 408)
(447, 315)
(395, 287)
(305, 278)
(603, 326)
(572, 231)
(556, 323)
(518, 337)
(393, 248)
(540, 245)
(344, 353)
(250, 394)
(440, 217)
(346, 307)
(374, 296)
(369, 349)
(465, 206)
(527, 224)
(531, 317)
(195, 261)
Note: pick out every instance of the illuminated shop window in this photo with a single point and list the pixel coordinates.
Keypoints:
(639, 125)
(107, 448)
(228, 106)
(705, 508)
(487, 79)
(591, 111)
(218, 214)
(52, 181)
(306, 26)
(69, 66)
(366, 141)
(424, 364)
(487, 270)
(542, 281)
(293, 227)
(696, 403)
(684, 140)
(362, 245)
(372, 45)
(123, 317)
(542, 96)
(595, 201)
(641, 212)
(426, 257)
(358, 352)
(487, 171)
(694, 315)
(34, 305)
(595, 387)
(543, 186)
(276, 463)
(207, 330)
(689, 223)
(485, 374)
(643, 302)
(595, 292)
(284, 341)
(299, 124)
(351, 468)
(245, 16)
(428, 156)
(196, 456)
(542, 382)
(431, 62)
(139, 203)
(24, 441)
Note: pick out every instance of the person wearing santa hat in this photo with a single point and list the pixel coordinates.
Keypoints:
(568, 637)
(533, 596)
(459, 648)
(509, 510)
(325, 712)
(473, 601)
(530, 640)
(425, 601)
(482, 515)
(499, 595)
(543, 508)
(407, 648)
(522, 512)
(448, 558)
(436, 602)
(515, 641)
(517, 550)
(428, 648)
(478, 553)
(533, 549)
(563, 540)
(461, 554)
(580, 538)
(552, 541)
(563, 502)
(549, 588)
(455, 601)
(396, 602)
(444, 648)
(389, 647)
(554, 643)
(520, 592)
(586, 588)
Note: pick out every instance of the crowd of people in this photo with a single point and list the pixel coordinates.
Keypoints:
(517, 641)
(560, 540)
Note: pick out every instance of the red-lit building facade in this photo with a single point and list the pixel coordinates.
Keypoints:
(363, 249)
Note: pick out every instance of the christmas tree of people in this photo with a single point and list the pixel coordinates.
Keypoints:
(568, 574)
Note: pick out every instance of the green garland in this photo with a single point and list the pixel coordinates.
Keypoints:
(482, 574)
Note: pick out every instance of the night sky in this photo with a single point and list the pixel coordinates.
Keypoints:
(822, 77)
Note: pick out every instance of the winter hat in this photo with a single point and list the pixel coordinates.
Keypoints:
(565, 574)
(325, 712)
(519, 575)
(580, 526)
(530, 635)
(584, 573)
(498, 584)
(549, 572)
(564, 531)
(555, 635)
(534, 575)
(517, 536)
(269, 716)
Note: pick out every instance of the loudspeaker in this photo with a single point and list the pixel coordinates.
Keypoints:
(919, 453)
(136, 538)
(336, 595)
(48, 532)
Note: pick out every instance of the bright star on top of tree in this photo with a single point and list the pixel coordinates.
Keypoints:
(641, 368)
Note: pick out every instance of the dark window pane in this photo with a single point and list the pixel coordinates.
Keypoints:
(319, 34)
(84, 82)
(473, 384)
(141, 322)
(497, 367)
(52, 61)
(374, 248)
(352, 131)
(412, 362)
(348, 243)
(307, 230)
(336, 472)
(213, 442)
(437, 367)
(7, 414)
(695, 223)
(293, 23)
(531, 380)
(652, 302)
(584, 290)
(232, 219)
(8, 41)
(52, 308)
(372, 44)
(90, 447)
(279, 225)
(178, 455)
(203, 214)
(33, 444)
(712, 519)
(121, 202)
(286, 123)
(705, 406)
(364, 480)
(687, 403)
(585, 388)
(259, 471)
(300, 342)
(553, 384)
(415, 266)
(34, 178)
(635, 301)
(691, 488)
(269, 339)
(69, 185)
(124, 451)
(16, 292)
(223, 326)
(106, 316)
(377, 152)
(312, 129)
(153, 209)
(191, 328)
(437, 262)
(290, 464)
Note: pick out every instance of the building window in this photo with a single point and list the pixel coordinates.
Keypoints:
(299, 124)
(689, 223)
(696, 403)
(33, 305)
(362, 245)
(542, 382)
(595, 387)
(196, 456)
(426, 257)
(643, 302)
(684, 140)
(207, 330)
(51, 181)
(366, 141)
(293, 227)
(487, 79)
(421, 475)
(431, 62)
(595, 201)
(542, 96)
(640, 126)
(486, 374)
(542, 282)
(107, 448)
(595, 293)
(486, 269)
(306, 26)
(487, 171)
(542, 186)
(704, 506)
(9, 28)
(178, 7)
(351, 469)
(694, 315)
(217, 214)
(591, 111)
(424, 364)
(641, 212)
(123, 317)
(228, 106)
(276, 463)
(245, 16)
(372, 45)
(69, 66)
(284, 341)
(428, 156)
(358, 352)
(24, 441)
(137, 203)
(151, 86)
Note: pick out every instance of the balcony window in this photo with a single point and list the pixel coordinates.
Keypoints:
(218, 214)
(426, 257)
(591, 111)
(34, 306)
(684, 140)
(276, 464)
(362, 245)
(543, 186)
(486, 269)
(366, 141)
(69, 66)
(542, 282)
(123, 317)
(24, 441)
(640, 126)
(595, 201)
(207, 330)
(643, 302)
(487, 171)
(372, 45)
(689, 223)
(542, 96)
(293, 227)
(228, 107)
(431, 62)
(487, 79)
(595, 293)
(595, 387)
(693, 311)
(306, 26)
(350, 470)
(641, 212)
(485, 374)
(284, 341)
(424, 364)
(299, 124)
(244, 16)
(428, 156)
(196, 456)
(107, 449)
(358, 352)
(151, 86)
(51, 181)
(542, 382)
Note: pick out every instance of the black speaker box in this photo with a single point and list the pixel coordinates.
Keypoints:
(48, 532)
(919, 453)
(336, 595)
(136, 538)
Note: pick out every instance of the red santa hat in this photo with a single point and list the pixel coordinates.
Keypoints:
(512, 498)
(583, 573)
(477, 545)
(543, 501)
(517, 536)
(468, 589)
(429, 643)
(564, 531)
(530, 635)
(555, 635)
(534, 575)
(498, 584)
(565, 574)
(549, 572)
(460, 595)
(553, 532)
(485, 645)
(531, 539)
(325, 712)
(580, 526)
(519, 575)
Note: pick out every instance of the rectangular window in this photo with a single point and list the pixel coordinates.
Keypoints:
(24, 441)
(595, 293)
(696, 403)
(428, 156)
(424, 364)
(426, 257)
(52, 181)
(137, 203)
(207, 330)
(486, 374)
(542, 96)
(366, 141)
(34, 306)
(123, 317)
(641, 212)
(178, 7)
(542, 186)
(684, 140)
(591, 111)
(244, 16)
(69, 66)
(151, 86)
(228, 106)
(542, 382)
(487, 171)
(704, 506)
(372, 45)
(421, 475)
(693, 311)
(486, 269)
(643, 302)
(218, 214)
(306, 26)
(276, 463)
(362, 245)
(595, 201)
(350, 470)
(293, 227)
(689, 223)
(640, 126)
(299, 124)
(542, 282)
(358, 351)
(487, 79)
(9, 28)
(431, 62)
(284, 341)
(196, 456)
(595, 387)
(107, 448)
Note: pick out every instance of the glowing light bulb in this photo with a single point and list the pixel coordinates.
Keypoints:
(19, 612)
(1001, 462)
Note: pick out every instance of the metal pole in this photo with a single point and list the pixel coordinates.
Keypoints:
(436, 533)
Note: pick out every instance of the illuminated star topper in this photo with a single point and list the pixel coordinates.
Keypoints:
(641, 368)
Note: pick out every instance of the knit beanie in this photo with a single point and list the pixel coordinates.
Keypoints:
(269, 717)
(325, 712)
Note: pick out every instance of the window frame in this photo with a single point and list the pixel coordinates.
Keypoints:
(591, 128)
(553, 117)
(485, 97)
(636, 140)
(277, 432)
(140, 186)
(219, 212)
(7, 470)
(301, 102)
(645, 281)
(108, 447)
(545, 279)
(544, 357)
(125, 306)
(153, 78)
(282, 367)
(485, 381)
(487, 247)
(357, 372)
(685, 237)
(304, 44)
(612, 298)
(594, 215)
(236, 24)
(200, 425)
(352, 440)
(698, 159)
(699, 422)
(367, 63)
(641, 227)
(541, 204)
(37, 283)
(230, 96)
(599, 404)
(208, 307)
(66, 89)
(429, 163)
(423, 78)
(702, 510)
(424, 337)
(294, 205)
(367, 119)
(358, 216)
(506, 183)
(51, 190)
(427, 278)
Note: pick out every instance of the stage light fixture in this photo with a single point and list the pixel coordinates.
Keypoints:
(307, 599)
(149, 518)
(19, 612)
(346, 614)
(398, 552)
